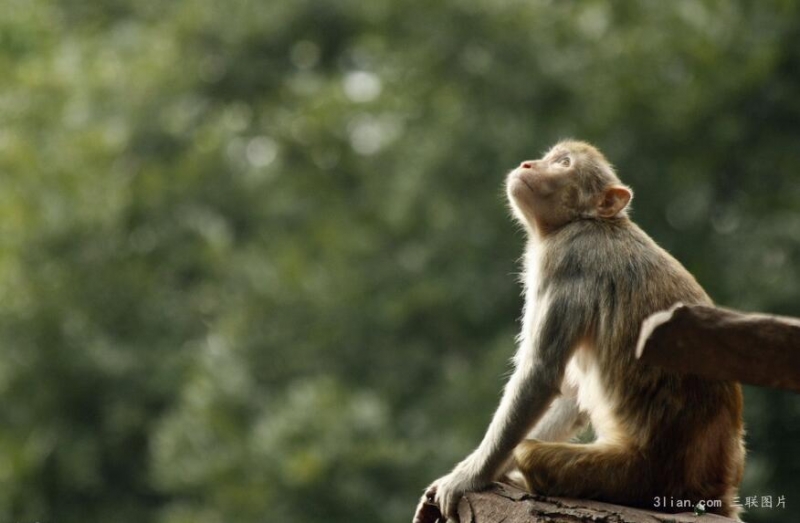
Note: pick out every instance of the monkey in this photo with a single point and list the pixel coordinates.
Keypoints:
(590, 277)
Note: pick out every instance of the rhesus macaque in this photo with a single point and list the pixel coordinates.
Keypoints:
(591, 276)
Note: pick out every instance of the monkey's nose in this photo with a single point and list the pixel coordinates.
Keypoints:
(526, 165)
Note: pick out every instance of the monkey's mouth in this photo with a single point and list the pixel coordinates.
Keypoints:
(516, 174)
(526, 183)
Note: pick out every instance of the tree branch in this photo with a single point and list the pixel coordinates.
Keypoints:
(506, 504)
(758, 349)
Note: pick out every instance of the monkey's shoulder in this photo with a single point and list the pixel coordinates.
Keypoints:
(591, 246)
(626, 265)
(617, 255)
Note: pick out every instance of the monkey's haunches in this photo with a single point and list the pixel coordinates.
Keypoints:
(608, 473)
(594, 471)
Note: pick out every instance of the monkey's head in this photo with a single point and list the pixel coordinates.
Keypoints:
(573, 181)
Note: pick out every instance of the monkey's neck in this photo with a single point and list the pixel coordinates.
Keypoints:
(542, 236)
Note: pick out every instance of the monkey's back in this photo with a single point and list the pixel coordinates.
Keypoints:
(688, 428)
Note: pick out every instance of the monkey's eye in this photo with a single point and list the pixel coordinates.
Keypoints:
(565, 161)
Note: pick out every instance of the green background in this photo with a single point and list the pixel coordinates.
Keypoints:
(256, 264)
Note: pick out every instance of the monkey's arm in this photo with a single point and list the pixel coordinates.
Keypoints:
(534, 384)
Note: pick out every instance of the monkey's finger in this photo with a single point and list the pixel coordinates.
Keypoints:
(452, 509)
(448, 504)
(427, 512)
(430, 493)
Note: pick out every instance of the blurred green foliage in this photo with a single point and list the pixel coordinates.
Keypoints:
(256, 263)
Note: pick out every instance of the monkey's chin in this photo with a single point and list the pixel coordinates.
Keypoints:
(516, 185)
(519, 192)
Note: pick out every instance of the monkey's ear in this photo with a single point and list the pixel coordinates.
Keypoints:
(615, 199)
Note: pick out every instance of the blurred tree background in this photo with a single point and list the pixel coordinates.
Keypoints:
(256, 260)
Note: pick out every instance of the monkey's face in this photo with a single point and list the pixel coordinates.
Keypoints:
(543, 192)
(572, 181)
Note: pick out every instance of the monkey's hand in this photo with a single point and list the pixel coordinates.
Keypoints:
(427, 510)
(446, 492)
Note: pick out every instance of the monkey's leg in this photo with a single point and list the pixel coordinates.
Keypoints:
(596, 471)
(561, 421)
